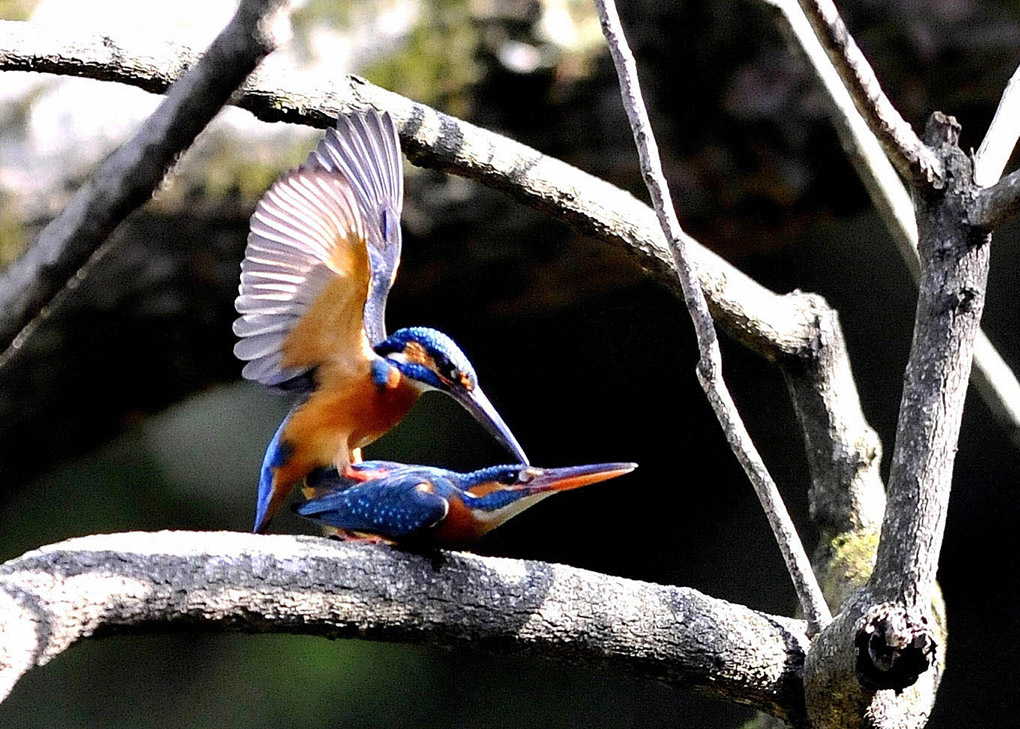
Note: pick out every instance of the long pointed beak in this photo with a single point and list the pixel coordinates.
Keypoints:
(476, 403)
(574, 477)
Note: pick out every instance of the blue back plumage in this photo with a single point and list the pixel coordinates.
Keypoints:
(392, 507)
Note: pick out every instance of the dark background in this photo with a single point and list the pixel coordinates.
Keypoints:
(126, 412)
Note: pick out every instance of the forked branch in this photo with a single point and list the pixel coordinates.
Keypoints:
(992, 376)
(907, 152)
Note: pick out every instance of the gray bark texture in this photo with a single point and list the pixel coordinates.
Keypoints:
(879, 662)
(119, 583)
(768, 323)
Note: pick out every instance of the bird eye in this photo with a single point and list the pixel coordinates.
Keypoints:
(509, 478)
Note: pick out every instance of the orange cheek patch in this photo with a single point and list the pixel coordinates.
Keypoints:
(484, 489)
(415, 352)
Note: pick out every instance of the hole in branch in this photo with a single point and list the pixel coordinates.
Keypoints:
(894, 648)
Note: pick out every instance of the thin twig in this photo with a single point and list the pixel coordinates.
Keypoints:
(710, 361)
(128, 177)
(1000, 139)
(908, 153)
(53, 597)
(995, 381)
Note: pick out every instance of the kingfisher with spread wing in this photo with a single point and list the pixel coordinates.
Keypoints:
(322, 253)
(422, 505)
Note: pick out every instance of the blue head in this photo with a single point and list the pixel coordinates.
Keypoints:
(433, 361)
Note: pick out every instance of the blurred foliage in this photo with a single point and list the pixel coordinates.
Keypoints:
(312, 14)
(436, 63)
(13, 233)
(17, 9)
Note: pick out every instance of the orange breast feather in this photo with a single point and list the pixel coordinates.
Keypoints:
(346, 411)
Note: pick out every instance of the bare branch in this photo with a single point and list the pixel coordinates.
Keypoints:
(906, 151)
(1000, 139)
(844, 452)
(993, 378)
(55, 596)
(127, 178)
(710, 362)
(993, 206)
(882, 656)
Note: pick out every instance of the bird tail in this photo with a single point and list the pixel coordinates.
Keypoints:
(271, 494)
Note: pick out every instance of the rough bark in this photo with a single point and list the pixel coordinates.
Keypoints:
(100, 585)
(994, 205)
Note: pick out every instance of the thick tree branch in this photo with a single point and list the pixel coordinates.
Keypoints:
(993, 206)
(1000, 139)
(710, 373)
(954, 272)
(99, 585)
(127, 178)
(881, 657)
(906, 151)
(993, 378)
(844, 453)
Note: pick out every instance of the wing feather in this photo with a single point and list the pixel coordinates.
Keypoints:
(365, 148)
(391, 507)
(304, 279)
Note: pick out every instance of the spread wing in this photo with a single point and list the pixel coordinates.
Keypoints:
(304, 279)
(364, 148)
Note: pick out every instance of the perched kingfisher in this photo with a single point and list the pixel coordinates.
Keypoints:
(393, 502)
(322, 253)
